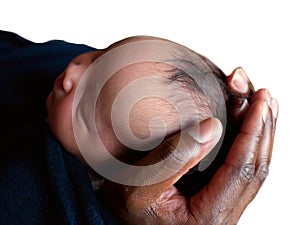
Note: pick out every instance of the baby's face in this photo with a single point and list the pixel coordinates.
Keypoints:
(60, 100)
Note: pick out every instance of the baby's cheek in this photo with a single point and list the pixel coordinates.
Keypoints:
(60, 121)
(49, 101)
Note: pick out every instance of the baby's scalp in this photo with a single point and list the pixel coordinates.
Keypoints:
(187, 71)
(170, 103)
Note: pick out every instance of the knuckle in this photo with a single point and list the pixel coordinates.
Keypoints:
(176, 152)
(263, 171)
(178, 157)
(181, 156)
(269, 124)
(247, 173)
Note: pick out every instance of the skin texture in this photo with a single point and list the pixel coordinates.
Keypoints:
(60, 101)
(228, 193)
(232, 188)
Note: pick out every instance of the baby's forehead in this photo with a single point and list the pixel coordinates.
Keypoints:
(146, 73)
(148, 68)
(145, 91)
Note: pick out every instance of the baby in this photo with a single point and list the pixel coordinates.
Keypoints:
(131, 96)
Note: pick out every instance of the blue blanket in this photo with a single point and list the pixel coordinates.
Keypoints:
(40, 182)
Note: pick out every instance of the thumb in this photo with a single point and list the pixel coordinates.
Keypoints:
(173, 158)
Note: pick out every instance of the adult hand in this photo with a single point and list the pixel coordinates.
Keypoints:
(229, 192)
(242, 91)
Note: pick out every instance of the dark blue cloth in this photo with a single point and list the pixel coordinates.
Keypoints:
(40, 182)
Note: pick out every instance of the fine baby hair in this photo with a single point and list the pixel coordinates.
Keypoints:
(193, 85)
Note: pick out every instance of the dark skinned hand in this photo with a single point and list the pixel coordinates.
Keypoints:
(235, 184)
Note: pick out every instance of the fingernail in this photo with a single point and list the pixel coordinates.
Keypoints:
(274, 107)
(240, 80)
(206, 130)
(265, 111)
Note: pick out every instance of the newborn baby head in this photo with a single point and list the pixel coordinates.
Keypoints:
(138, 103)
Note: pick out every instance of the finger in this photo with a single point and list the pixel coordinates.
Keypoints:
(239, 82)
(275, 111)
(262, 162)
(249, 127)
(264, 94)
(175, 157)
(248, 137)
(241, 91)
(231, 180)
(265, 146)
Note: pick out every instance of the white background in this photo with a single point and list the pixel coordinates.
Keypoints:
(261, 36)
